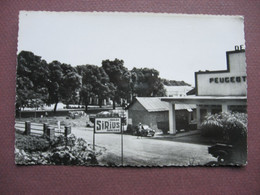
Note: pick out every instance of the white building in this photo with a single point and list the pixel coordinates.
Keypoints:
(216, 91)
(177, 91)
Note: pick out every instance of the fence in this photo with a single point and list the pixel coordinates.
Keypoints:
(39, 129)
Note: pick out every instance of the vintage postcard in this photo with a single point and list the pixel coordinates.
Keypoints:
(130, 89)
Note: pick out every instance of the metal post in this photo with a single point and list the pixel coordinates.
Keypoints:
(94, 135)
(122, 145)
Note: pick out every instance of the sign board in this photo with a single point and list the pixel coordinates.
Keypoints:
(229, 82)
(107, 125)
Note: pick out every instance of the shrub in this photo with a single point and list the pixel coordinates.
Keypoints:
(78, 154)
(60, 151)
(229, 127)
(31, 143)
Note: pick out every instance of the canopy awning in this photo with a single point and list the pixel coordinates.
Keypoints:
(207, 100)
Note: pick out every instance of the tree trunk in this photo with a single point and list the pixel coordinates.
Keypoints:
(55, 107)
(114, 104)
(100, 103)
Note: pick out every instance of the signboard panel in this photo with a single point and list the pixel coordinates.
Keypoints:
(107, 125)
(230, 82)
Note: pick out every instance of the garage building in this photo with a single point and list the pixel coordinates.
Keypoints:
(155, 113)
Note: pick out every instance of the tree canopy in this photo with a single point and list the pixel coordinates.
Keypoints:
(41, 83)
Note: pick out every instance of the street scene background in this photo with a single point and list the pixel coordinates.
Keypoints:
(67, 77)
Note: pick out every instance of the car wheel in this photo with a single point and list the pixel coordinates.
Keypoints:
(221, 159)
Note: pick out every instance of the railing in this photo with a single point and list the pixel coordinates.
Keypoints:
(39, 129)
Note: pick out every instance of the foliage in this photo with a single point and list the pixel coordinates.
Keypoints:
(95, 82)
(71, 82)
(39, 82)
(31, 86)
(229, 127)
(78, 154)
(120, 77)
(148, 83)
(174, 83)
(31, 143)
(60, 151)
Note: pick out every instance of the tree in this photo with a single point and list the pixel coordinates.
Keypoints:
(120, 77)
(31, 80)
(148, 83)
(55, 83)
(174, 83)
(86, 90)
(70, 86)
(95, 83)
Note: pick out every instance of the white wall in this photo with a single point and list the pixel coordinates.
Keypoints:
(235, 81)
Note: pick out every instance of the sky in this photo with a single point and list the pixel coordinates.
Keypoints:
(174, 44)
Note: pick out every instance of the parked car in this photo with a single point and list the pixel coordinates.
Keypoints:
(145, 131)
(222, 152)
(75, 114)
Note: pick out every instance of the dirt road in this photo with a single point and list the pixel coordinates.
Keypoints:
(145, 151)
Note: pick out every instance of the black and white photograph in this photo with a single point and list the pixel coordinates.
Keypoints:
(130, 89)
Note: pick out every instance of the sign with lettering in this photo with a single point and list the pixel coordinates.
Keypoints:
(229, 82)
(107, 125)
(233, 79)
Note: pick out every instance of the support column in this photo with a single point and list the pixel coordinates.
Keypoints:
(198, 116)
(172, 119)
(224, 107)
(189, 116)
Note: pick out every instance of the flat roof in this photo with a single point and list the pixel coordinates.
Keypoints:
(213, 100)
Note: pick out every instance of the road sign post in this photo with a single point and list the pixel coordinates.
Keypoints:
(94, 135)
(122, 146)
(109, 125)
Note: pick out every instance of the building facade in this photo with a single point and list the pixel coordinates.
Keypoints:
(155, 113)
(216, 91)
(177, 91)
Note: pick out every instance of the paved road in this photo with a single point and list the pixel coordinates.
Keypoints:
(145, 151)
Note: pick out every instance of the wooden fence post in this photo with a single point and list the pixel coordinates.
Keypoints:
(67, 131)
(50, 132)
(27, 128)
(45, 127)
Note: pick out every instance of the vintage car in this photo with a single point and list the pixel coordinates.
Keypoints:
(222, 152)
(145, 131)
